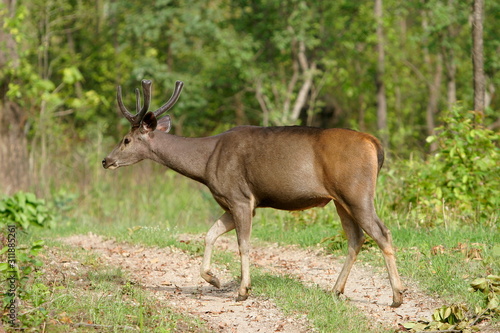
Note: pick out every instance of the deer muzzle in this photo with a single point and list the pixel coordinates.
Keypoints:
(109, 164)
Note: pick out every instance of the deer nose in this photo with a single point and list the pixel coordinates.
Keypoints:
(104, 163)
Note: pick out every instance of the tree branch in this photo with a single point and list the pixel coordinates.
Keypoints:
(260, 98)
(304, 90)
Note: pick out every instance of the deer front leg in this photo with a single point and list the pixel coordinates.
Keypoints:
(224, 224)
(243, 222)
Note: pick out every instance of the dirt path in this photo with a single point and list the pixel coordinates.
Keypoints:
(174, 275)
(367, 288)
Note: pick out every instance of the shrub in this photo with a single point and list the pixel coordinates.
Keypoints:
(25, 210)
(461, 177)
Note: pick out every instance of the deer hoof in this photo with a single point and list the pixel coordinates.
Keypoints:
(241, 298)
(341, 297)
(396, 303)
(397, 299)
(215, 282)
(337, 292)
(212, 279)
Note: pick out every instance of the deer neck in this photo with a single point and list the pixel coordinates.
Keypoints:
(187, 156)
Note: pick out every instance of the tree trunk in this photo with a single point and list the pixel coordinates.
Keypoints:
(478, 56)
(360, 73)
(14, 174)
(451, 70)
(448, 51)
(308, 70)
(432, 104)
(379, 78)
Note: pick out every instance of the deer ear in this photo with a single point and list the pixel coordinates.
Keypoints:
(149, 123)
(164, 124)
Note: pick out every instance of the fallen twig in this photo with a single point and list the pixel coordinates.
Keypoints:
(479, 317)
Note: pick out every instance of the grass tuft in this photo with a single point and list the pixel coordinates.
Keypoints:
(323, 309)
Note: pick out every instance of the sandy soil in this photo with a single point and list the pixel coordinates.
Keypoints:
(173, 275)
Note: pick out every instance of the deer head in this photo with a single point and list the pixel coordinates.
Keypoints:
(134, 146)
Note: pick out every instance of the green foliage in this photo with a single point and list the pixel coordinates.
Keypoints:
(21, 212)
(450, 314)
(25, 210)
(73, 54)
(458, 317)
(462, 176)
(490, 287)
(29, 293)
(447, 318)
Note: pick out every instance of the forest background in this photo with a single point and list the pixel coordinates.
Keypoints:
(422, 75)
(392, 71)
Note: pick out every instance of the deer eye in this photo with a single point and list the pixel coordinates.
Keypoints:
(126, 141)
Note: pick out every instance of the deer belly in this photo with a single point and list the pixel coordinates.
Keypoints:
(294, 204)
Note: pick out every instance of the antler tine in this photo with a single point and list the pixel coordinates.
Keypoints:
(146, 90)
(122, 107)
(175, 96)
(136, 119)
(137, 100)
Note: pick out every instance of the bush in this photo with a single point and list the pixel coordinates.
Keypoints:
(25, 209)
(461, 177)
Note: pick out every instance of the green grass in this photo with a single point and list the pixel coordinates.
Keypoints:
(307, 228)
(141, 203)
(323, 309)
(446, 261)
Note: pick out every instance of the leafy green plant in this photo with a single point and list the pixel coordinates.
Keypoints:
(490, 287)
(25, 210)
(462, 176)
(447, 318)
(458, 317)
(24, 273)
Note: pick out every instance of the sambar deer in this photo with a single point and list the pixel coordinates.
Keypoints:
(288, 168)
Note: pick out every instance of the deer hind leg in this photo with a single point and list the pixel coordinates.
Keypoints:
(355, 239)
(224, 224)
(373, 226)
